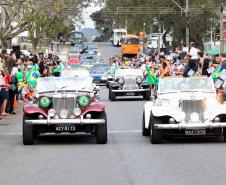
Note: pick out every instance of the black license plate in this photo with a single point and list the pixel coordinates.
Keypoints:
(130, 94)
(195, 132)
(65, 128)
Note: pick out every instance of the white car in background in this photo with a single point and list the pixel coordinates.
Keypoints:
(184, 107)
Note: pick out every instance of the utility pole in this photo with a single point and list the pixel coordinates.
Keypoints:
(186, 11)
(222, 27)
(159, 31)
(187, 25)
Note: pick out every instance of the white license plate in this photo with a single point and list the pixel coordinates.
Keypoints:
(195, 132)
(65, 128)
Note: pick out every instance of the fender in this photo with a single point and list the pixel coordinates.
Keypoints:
(160, 111)
(216, 111)
(113, 84)
(147, 112)
(34, 109)
(95, 107)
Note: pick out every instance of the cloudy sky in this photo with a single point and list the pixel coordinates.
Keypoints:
(86, 16)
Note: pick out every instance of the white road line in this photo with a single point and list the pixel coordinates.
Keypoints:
(109, 132)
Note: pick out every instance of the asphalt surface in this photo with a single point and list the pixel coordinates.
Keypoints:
(127, 159)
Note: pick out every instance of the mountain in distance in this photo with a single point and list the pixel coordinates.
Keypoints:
(90, 32)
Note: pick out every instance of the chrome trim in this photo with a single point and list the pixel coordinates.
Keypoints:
(198, 125)
(65, 121)
(133, 90)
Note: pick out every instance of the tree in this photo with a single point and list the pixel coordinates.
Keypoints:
(166, 12)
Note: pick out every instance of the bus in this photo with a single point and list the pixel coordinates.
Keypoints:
(76, 37)
(130, 45)
(117, 35)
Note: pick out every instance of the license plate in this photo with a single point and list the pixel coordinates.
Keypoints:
(130, 94)
(65, 128)
(195, 132)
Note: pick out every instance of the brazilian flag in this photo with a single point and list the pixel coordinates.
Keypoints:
(32, 76)
(215, 75)
(151, 77)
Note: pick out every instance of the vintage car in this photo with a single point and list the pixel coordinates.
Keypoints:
(184, 107)
(65, 104)
(129, 82)
(99, 74)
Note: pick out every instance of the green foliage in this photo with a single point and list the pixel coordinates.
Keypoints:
(141, 15)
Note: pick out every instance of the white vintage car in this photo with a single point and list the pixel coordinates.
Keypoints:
(184, 107)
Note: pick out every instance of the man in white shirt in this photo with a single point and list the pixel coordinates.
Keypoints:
(194, 51)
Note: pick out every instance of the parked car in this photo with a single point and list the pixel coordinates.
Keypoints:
(74, 55)
(65, 104)
(184, 107)
(129, 82)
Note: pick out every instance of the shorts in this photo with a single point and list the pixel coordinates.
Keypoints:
(3, 95)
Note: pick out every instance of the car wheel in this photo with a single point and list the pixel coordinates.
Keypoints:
(224, 130)
(28, 132)
(107, 84)
(112, 95)
(145, 132)
(101, 130)
(155, 134)
(147, 95)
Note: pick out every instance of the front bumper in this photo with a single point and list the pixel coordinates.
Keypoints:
(132, 90)
(198, 125)
(65, 121)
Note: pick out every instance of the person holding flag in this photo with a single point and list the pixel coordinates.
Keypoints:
(32, 76)
(151, 77)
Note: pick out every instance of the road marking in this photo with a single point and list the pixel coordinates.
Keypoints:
(109, 132)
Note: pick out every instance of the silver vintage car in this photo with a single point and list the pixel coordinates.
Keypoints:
(184, 107)
(129, 82)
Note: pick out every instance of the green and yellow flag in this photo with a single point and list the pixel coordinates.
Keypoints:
(32, 76)
(151, 78)
(215, 75)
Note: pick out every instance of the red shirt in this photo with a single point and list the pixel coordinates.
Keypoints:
(7, 78)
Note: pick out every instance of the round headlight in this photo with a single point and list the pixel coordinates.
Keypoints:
(121, 81)
(52, 112)
(44, 102)
(139, 80)
(216, 120)
(83, 101)
(77, 111)
(63, 114)
(172, 121)
(194, 117)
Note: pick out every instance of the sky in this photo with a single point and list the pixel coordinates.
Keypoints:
(88, 23)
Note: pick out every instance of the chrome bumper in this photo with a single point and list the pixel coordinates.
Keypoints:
(198, 125)
(133, 90)
(66, 121)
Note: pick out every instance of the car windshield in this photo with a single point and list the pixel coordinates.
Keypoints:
(75, 73)
(131, 41)
(86, 62)
(120, 33)
(98, 70)
(64, 83)
(128, 72)
(196, 84)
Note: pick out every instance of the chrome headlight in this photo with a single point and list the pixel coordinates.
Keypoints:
(194, 117)
(103, 78)
(139, 80)
(52, 112)
(121, 81)
(77, 111)
(63, 114)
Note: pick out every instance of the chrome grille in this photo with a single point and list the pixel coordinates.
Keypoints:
(64, 103)
(130, 83)
(190, 106)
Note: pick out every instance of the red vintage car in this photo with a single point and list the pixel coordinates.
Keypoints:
(74, 55)
(65, 104)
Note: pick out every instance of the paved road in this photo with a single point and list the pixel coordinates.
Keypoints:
(127, 159)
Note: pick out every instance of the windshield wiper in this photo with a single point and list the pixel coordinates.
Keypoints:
(55, 91)
(170, 92)
(198, 90)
